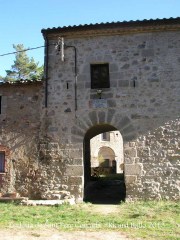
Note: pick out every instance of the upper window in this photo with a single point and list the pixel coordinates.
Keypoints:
(2, 162)
(100, 76)
(105, 136)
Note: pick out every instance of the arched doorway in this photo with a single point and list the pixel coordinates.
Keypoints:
(106, 159)
(102, 182)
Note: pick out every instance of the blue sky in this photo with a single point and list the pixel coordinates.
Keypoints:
(21, 21)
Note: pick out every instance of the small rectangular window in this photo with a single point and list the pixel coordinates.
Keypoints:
(100, 76)
(105, 136)
(2, 162)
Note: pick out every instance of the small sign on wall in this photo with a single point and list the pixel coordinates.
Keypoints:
(98, 103)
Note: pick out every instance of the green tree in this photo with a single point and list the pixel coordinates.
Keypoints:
(24, 68)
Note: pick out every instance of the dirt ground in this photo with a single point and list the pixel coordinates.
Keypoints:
(54, 234)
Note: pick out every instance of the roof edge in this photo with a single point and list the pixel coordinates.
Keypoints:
(113, 25)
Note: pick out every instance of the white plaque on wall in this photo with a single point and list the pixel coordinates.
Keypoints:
(98, 103)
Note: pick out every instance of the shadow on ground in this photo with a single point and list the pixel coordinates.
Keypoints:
(105, 191)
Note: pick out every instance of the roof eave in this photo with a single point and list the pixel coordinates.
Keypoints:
(144, 25)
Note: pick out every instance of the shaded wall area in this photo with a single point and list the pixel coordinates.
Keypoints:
(19, 136)
(100, 189)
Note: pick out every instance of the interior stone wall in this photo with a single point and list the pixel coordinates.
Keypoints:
(112, 149)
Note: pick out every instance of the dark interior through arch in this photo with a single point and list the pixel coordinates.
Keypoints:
(96, 189)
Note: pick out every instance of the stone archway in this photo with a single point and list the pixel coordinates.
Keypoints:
(105, 153)
(95, 130)
(96, 122)
(106, 189)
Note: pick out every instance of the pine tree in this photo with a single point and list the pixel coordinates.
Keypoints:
(24, 68)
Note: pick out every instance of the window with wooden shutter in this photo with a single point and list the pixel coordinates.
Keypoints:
(100, 76)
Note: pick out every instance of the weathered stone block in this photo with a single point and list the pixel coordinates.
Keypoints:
(106, 95)
(143, 152)
(75, 153)
(53, 129)
(93, 117)
(130, 152)
(123, 83)
(129, 160)
(148, 52)
(76, 139)
(153, 79)
(125, 66)
(130, 179)
(132, 169)
(111, 103)
(101, 116)
(128, 129)
(123, 122)
(74, 171)
(136, 116)
(113, 67)
(77, 131)
(75, 180)
(74, 161)
(114, 83)
(110, 115)
(130, 137)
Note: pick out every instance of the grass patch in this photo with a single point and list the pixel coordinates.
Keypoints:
(147, 220)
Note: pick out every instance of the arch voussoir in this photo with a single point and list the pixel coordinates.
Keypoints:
(93, 117)
(101, 117)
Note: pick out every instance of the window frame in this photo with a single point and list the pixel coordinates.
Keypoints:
(98, 81)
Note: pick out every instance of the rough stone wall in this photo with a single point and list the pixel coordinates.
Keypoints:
(142, 102)
(44, 148)
(152, 163)
(19, 127)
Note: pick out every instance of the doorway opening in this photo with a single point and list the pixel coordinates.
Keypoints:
(103, 165)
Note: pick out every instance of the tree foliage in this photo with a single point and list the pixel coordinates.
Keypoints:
(24, 68)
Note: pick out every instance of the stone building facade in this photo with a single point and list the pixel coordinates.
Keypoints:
(107, 152)
(46, 128)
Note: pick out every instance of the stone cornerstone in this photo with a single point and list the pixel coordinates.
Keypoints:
(46, 128)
